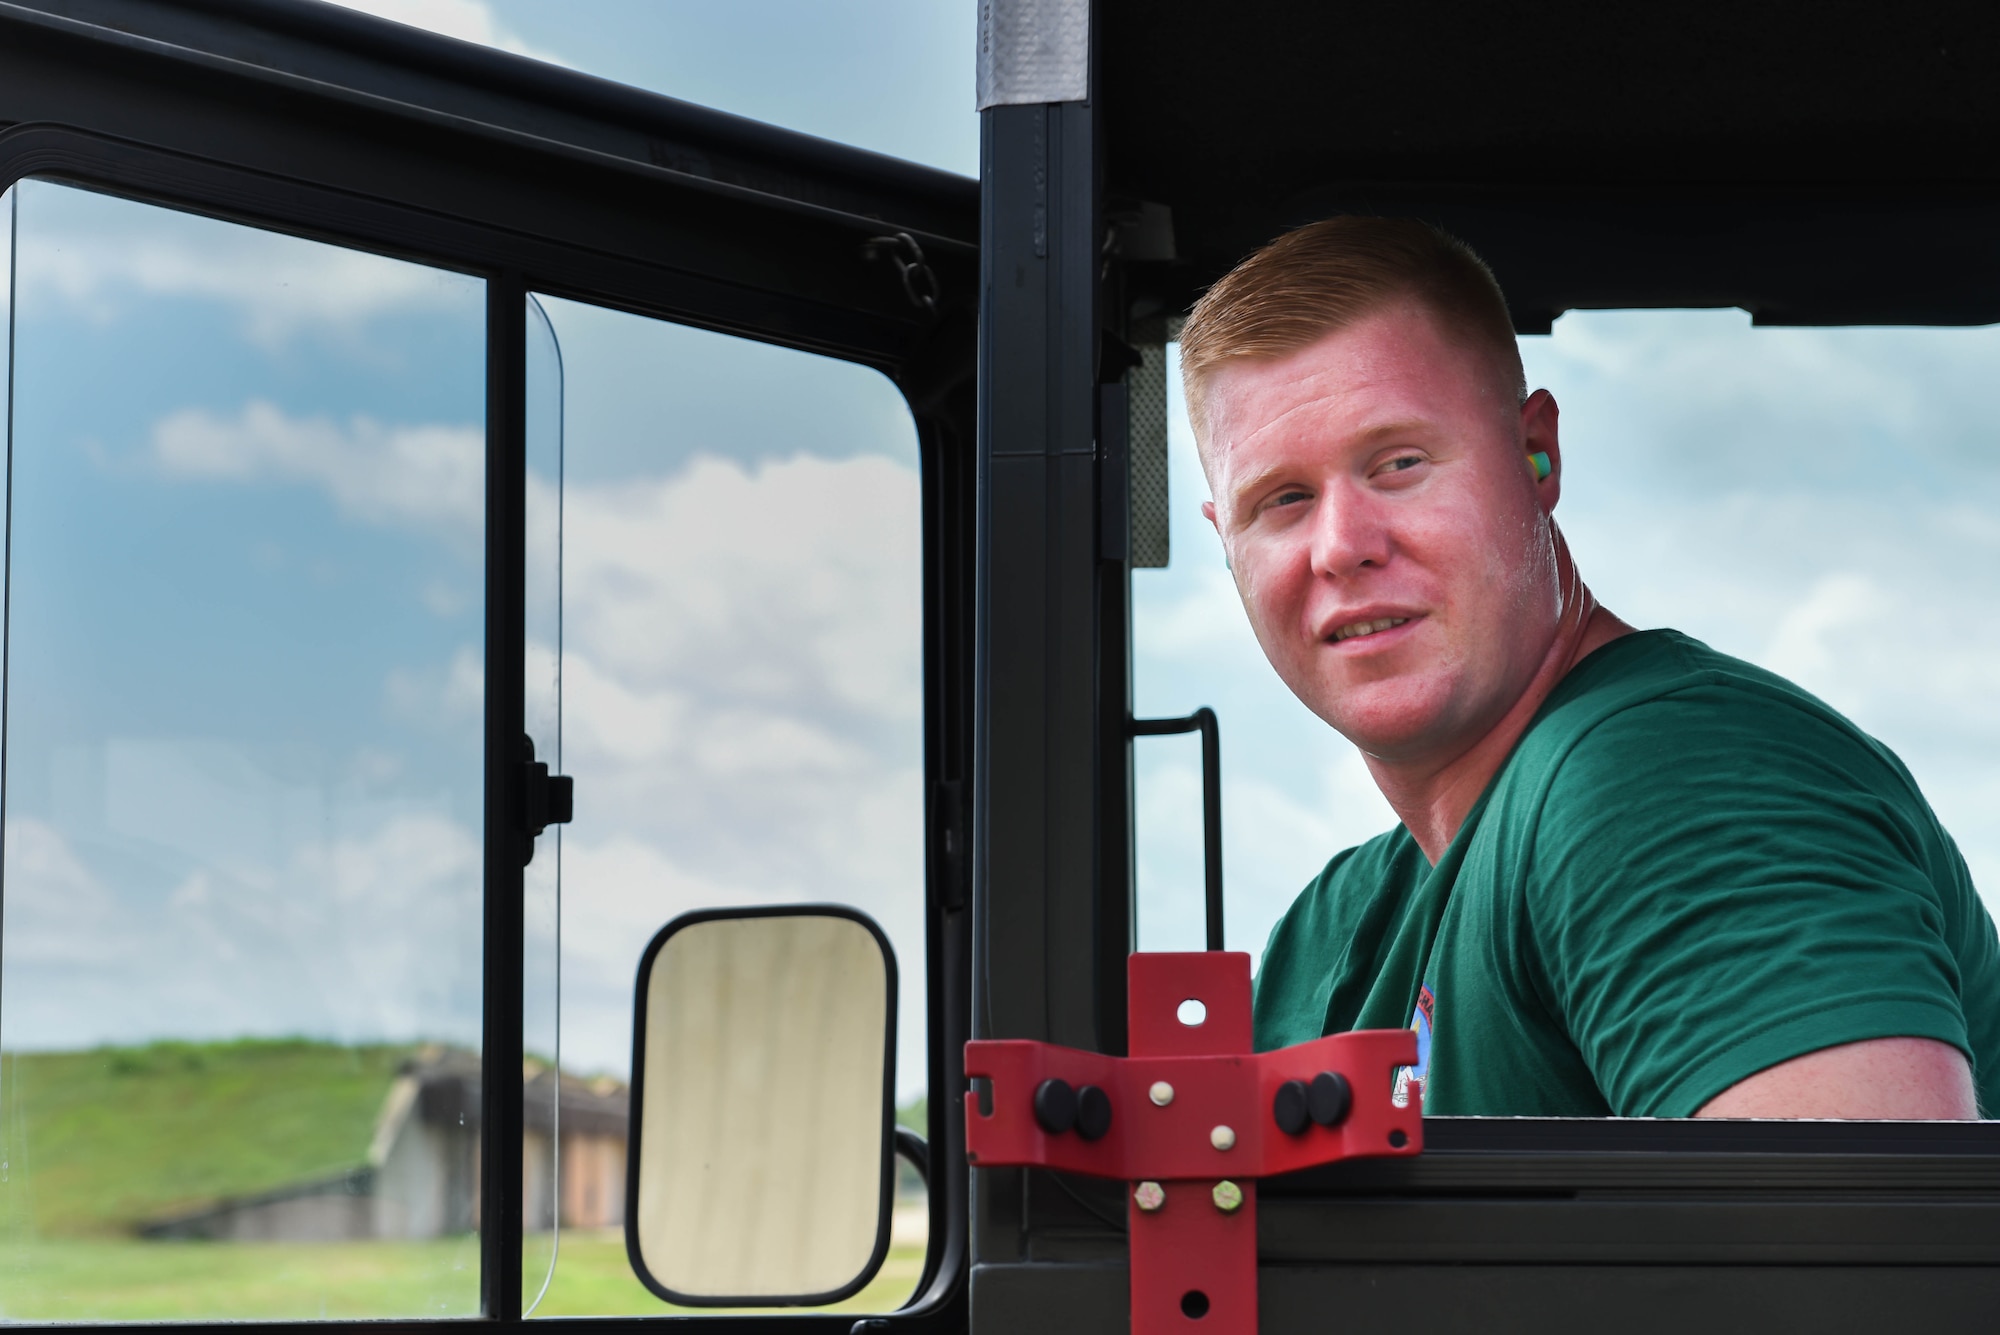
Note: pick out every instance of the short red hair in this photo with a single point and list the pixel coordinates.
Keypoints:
(1327, 275)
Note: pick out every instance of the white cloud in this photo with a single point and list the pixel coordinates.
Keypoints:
(98, 256)
(622, 885)
(429, 477)
(794, 581)
(1897, 656)
(57, 913)
(368, 936)
(617, 892)
(1838, 605)
(742, 671)
(429, 697)
(742, 676)
(743, 653)
(1698, 403)
(467, 20)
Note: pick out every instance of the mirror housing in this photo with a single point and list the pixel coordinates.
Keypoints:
(761, 1158)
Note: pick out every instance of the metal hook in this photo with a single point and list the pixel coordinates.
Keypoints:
(920, 283)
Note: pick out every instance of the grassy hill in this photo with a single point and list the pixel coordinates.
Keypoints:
(99, 1141)
(91, 1143)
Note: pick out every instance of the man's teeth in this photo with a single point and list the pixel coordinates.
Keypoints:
(1367, 627)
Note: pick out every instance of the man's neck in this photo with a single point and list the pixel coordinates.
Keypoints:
(1433, 800)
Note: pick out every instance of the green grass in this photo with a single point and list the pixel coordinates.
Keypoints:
(96, 1142)
(593, 1278)
(136, 1280)
(104, 1139)
(104, 1280)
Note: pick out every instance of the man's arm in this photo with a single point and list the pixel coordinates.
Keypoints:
(1899, 1079)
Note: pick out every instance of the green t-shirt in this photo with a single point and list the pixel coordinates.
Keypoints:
(1687, 871)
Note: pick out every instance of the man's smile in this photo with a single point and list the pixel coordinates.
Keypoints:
(1356, 629)
(1368, 630)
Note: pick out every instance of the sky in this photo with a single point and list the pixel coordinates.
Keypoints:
(894, 76)
(245, 594)
(242, 775)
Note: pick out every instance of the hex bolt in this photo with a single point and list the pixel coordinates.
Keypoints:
(1223, 1139)
(1161, 1093)
(1149, 1196)
(1227, 1196)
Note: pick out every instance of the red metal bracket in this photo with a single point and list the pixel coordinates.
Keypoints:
(1192, 1127)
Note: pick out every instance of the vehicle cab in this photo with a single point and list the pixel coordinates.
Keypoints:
(567, 651)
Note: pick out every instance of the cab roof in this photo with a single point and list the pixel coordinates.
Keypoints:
(1814, 161)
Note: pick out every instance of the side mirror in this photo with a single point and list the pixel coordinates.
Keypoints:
(762, 1152)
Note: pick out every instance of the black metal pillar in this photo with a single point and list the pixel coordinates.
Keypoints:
(506, 575)
(1035, 822)
(1050, 874)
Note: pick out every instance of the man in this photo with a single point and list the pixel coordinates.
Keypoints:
(1634, 876)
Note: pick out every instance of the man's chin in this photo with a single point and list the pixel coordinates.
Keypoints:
(1390, 731)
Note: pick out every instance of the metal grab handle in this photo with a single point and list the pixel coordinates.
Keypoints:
(1202, 721)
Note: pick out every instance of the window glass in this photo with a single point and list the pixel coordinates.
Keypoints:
(541, 889)
(240, 970)
(1818, 501)
(742, 691)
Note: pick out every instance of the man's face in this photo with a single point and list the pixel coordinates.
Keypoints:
(1386, 531)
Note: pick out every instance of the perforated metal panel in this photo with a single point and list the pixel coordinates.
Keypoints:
(1148, 388)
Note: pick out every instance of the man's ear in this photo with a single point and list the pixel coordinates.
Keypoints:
(1208, 513)
(1539, 435)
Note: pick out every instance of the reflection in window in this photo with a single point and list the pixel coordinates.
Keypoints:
(240, 973)
(741, 689)
(1817, 501)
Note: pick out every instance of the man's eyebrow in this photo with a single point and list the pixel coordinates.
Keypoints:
(1366, 439)
(1257, 481)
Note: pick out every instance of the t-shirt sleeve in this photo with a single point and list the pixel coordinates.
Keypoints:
(1720, 881)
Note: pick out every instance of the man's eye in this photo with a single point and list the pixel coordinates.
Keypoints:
(1401, 462)
(1292, 497)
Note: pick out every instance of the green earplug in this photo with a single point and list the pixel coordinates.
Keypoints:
(1541, 463)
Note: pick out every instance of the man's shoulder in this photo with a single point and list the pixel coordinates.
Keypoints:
(1667, 733)
(1662, 728)
(1649, 688)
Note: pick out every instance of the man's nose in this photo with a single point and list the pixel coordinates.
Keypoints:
(1348, 536)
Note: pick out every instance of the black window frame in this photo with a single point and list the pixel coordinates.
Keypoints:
(323, 123)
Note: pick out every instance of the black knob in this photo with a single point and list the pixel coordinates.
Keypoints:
(1055, 1106)
(1328, 1098)
(1093, 1112)
(1289, 1108)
